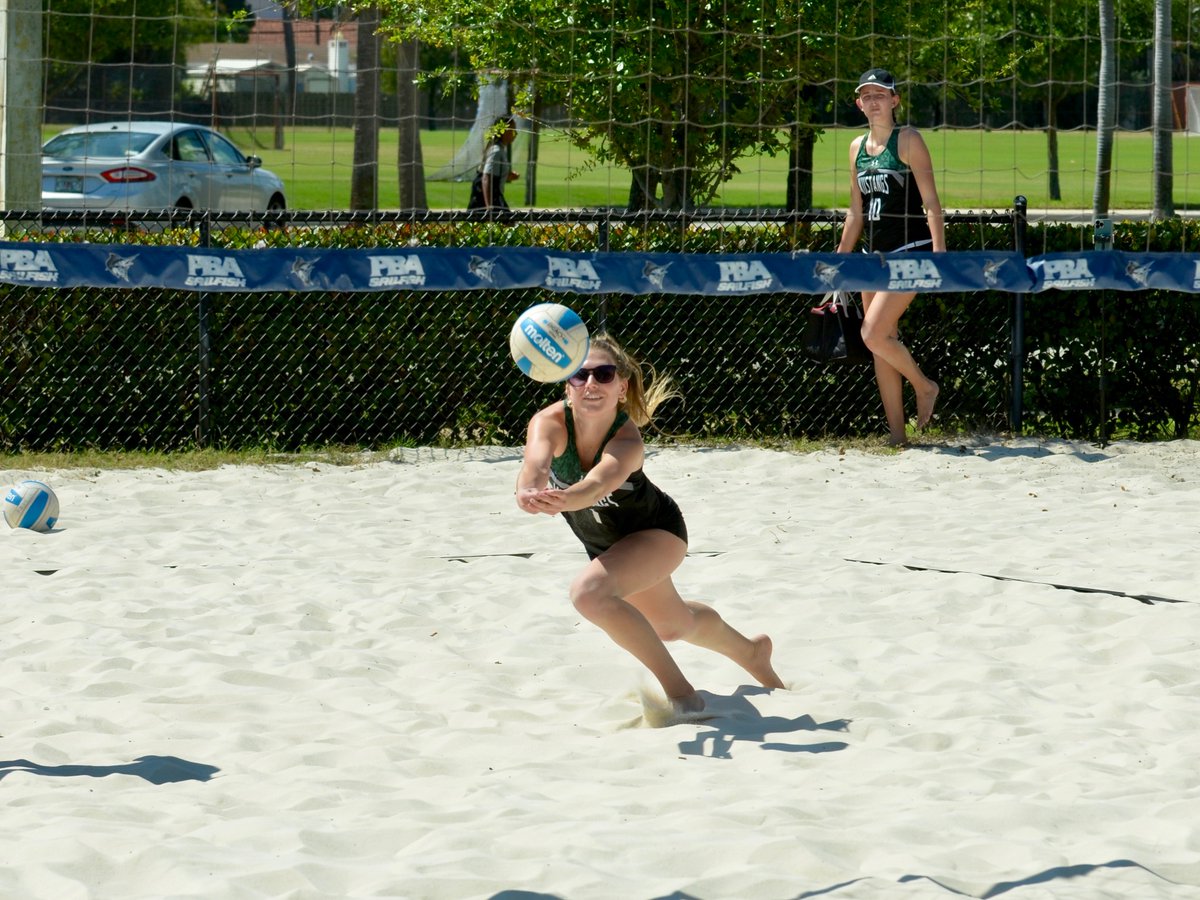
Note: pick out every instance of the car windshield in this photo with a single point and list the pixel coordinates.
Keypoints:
(98, 143)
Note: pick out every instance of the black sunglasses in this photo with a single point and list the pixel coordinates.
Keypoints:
(603, 375)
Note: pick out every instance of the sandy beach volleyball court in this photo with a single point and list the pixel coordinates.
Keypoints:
(311, 681)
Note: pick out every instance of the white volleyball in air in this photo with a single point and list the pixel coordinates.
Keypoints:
(549, 342)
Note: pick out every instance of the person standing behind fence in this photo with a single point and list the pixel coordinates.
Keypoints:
(894, 207)
(495, 169)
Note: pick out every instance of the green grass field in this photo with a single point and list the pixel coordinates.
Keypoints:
(977, 170)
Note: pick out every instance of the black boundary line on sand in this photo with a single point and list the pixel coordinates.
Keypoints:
(469, 557)
(1148, 599)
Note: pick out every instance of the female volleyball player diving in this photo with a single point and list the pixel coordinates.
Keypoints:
(894, 207)
(583, 458)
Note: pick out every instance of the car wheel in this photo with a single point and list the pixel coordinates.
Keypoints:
(276, 204)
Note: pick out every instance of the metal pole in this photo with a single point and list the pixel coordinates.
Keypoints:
(20, 105)
(1016, 409)
(602, 246)
(204, 345)
(1102, 240)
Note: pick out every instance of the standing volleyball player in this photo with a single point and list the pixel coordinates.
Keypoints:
(583, 458)
(894, 207)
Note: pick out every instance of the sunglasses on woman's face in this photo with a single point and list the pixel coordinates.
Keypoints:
(603, 375)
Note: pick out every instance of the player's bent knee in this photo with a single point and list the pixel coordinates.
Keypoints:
(593, 602)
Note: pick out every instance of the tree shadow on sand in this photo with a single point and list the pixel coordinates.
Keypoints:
(154, 769)
(736, 719)
(1046, 876)
(1058, 873)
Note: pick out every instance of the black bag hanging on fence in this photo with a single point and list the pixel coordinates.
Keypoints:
(833, 331)
(477, 200)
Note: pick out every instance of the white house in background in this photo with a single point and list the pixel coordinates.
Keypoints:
(249, 75)
(227, 76)
(313, 78)
(324, 57)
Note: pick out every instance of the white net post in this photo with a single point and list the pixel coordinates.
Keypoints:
(1191, 106)
(493, 103)
(20, 104)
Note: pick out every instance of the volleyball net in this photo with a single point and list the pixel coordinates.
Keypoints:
(659, 104)
(721, 125)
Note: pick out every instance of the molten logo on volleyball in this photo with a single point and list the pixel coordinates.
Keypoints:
(549, 342)
(32, 505)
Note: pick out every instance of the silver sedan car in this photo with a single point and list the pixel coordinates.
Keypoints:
(154, 166)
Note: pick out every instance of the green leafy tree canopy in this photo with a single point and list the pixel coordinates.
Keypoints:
(675, 92)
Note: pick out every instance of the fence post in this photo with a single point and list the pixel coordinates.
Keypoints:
(204, 347)
(602, 246)
(1016, 410)
(1102, 240)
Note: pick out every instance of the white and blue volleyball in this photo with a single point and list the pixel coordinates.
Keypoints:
(32, 505)
(549, 342)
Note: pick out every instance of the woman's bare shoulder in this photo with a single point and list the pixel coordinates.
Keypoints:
(551, 415)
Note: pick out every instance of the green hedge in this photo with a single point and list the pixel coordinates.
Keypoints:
(121, 369)
(1133, 357)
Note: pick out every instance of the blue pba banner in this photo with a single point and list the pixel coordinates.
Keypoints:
(1117, 270)
(508, 268)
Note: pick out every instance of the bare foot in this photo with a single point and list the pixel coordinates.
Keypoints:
(898, 441)
(925, 403)
(692, 703)
(760, 663)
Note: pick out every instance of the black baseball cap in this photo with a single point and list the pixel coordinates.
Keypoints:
(881, 77)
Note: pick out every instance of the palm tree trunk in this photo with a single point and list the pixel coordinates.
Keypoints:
(364, 176)
(800, 168)
(1163, 114)
(1054, 186)
(409, 159)
(289, 61)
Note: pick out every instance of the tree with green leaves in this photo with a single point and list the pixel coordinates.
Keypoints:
(87, 42)
(235, 20)
(674, 92)
(1045, 51)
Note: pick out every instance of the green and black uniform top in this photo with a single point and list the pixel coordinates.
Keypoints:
(892, 208)
(636, 505)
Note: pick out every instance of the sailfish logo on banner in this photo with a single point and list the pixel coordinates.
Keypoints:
(483, 269)
(991, 271)
(302, 269)
(119, 266)
(655, 273)
(826, 272)
(1140, 273)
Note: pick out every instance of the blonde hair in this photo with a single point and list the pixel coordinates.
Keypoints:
(647, 390)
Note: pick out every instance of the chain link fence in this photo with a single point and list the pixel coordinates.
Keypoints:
(164, 370)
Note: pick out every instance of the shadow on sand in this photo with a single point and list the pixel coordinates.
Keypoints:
(1046, 876)
(154, 769)
(735, 719)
